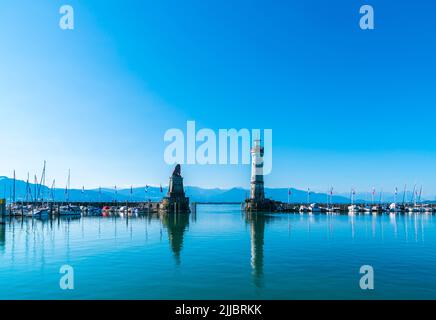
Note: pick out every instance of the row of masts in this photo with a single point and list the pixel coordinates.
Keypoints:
(39, 187)
(415, 199)
(38, 192)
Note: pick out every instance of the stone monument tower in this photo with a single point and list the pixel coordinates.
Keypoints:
(175, 201)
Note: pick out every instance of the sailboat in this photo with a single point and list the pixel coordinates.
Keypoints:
(402, 207)
(38, 212)
(69, 209)
(365, 208)
(331, 208)
(374, 207)
(305, 208)
(414, 208)
(423, 207)
(43, 210)
(353, 208)
(379, 208)
(314, 208)
(393, 207)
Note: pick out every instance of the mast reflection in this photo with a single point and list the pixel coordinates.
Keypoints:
(2, 237)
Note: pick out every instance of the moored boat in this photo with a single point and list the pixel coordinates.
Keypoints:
(70, 210)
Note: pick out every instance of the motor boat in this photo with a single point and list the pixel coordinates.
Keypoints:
(365, 209)
(302, 209)
(353, 208)
(94, 211)
(314, 208)
(393, 207)
(38, 212)
(413, 209)
(70, 210)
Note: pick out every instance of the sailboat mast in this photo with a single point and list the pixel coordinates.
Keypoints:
(68, 186)
(331, 195)
(13, 197)
(27, 188)
(41, 183)
(35, 187)
(404, 193)
(414, 195)
(53, 190)
(420, 194)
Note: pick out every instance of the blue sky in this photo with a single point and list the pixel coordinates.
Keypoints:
(347, 107)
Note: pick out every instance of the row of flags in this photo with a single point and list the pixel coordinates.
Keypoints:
(353, 191)
(309, 191)
(116, 190)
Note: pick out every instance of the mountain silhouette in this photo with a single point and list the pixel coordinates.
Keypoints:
(196, 194)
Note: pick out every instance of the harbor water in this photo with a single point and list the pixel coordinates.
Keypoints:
(220, 253)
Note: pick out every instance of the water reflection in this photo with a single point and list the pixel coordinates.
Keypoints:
(2, 237)
(257, 224)
(176, 225)
(39, 238)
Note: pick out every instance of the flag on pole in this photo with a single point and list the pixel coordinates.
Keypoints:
(289, 194)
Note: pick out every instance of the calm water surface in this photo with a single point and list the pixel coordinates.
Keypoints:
(220, 253)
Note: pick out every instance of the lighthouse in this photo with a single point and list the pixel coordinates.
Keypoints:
(257, 192)
(257, 201)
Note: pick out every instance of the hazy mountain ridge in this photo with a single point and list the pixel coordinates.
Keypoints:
(196, 194)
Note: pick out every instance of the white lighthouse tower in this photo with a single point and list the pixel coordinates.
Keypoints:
(257, 192)
(257, 201)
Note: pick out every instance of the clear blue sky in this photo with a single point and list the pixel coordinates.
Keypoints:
(347, 107)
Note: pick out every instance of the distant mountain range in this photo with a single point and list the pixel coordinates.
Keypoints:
(154, 194)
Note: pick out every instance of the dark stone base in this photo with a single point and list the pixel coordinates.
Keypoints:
(174, 205)
(266, 205)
